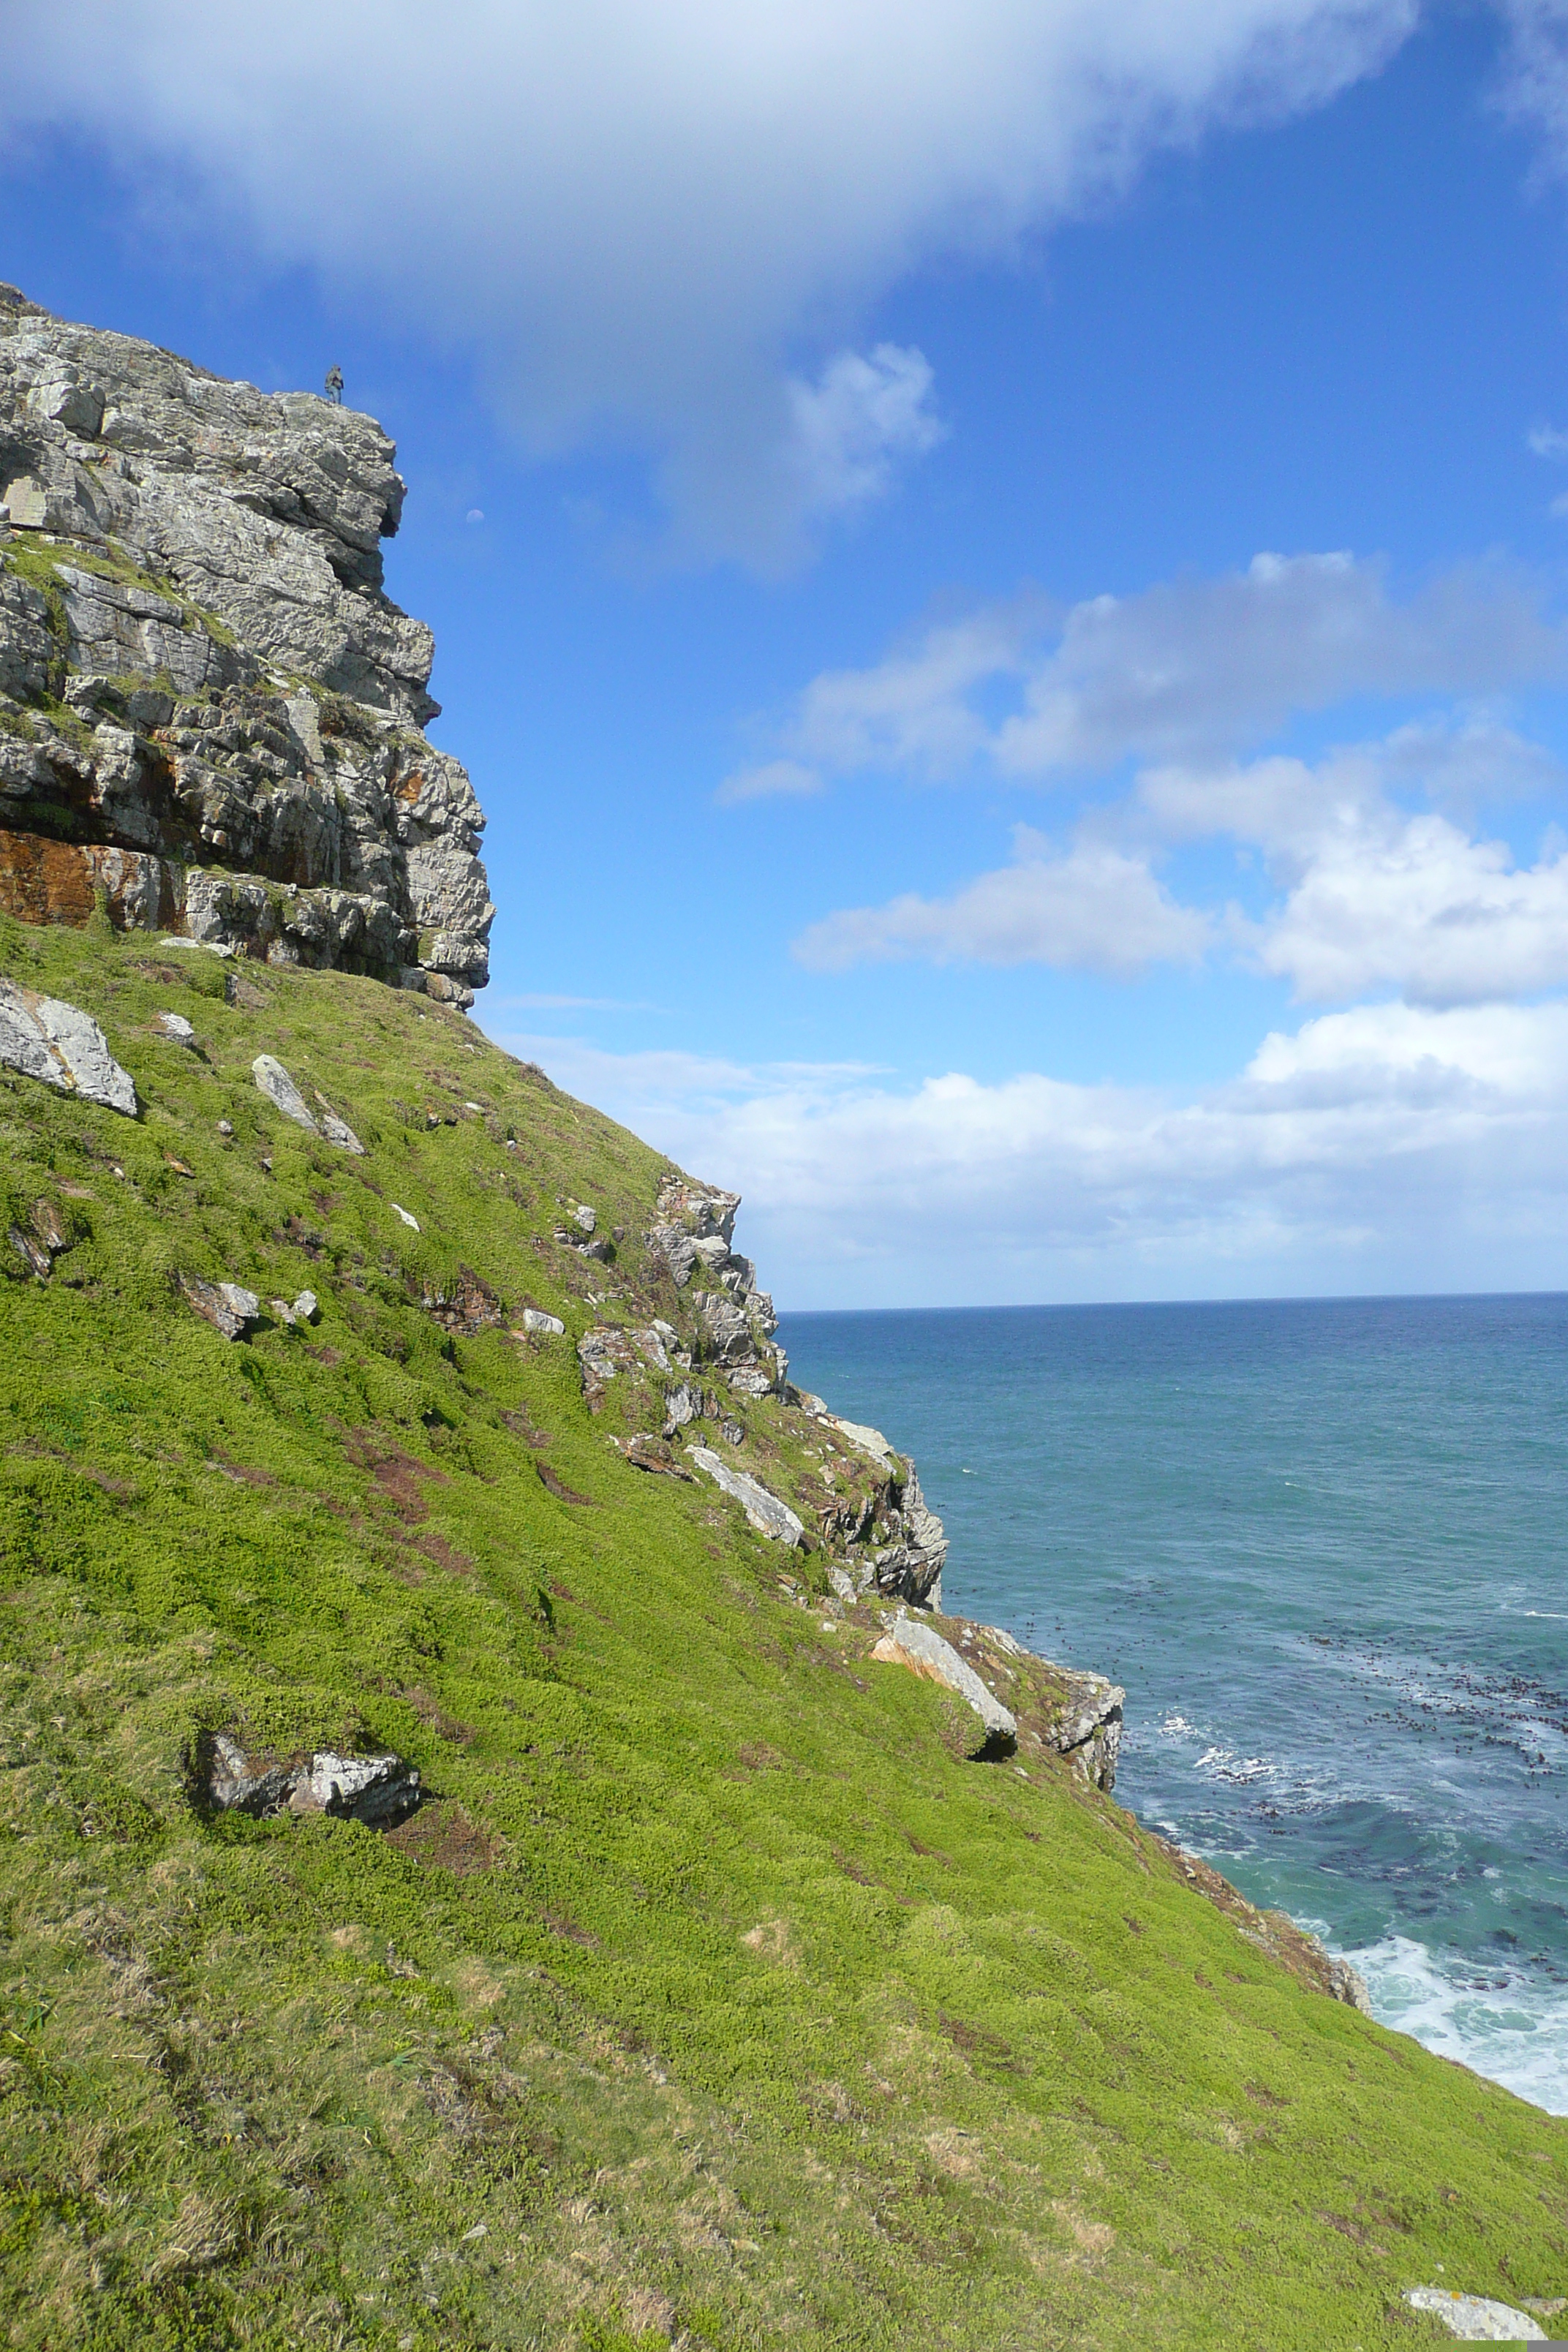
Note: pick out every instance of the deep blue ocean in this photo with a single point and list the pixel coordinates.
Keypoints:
(1325, 1544)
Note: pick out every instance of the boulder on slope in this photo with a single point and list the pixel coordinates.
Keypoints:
(274, 1081)
(226, 1306)
(376, 1790)
(912, 1643)
(45, 1038)
(766, 1513)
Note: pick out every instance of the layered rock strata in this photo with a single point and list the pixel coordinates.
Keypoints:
(210, 711)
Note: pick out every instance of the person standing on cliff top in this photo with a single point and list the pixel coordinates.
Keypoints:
(335, 385)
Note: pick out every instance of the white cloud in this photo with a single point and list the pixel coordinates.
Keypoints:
(850, 428)
(1093, 909)
(1377, 895)
(643, 214)
(1373, 894)
(1418, 907)
(1389, 1147)
(1534, 88)
(1189, 668)
(772, 779)
(1547, 441)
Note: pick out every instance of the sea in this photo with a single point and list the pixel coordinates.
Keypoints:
(1324, 1545)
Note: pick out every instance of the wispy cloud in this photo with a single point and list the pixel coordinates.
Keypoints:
(852, 427)
(1369, 1147)
(661, 224)
(1373, 894)
(1188, 669)
(773, 780)
(1093, 909)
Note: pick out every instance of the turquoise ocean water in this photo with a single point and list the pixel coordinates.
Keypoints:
(1325, 1544)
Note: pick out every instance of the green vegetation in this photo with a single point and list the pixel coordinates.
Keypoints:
(716, 1994)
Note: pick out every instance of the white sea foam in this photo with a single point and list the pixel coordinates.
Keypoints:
(1513, 2029)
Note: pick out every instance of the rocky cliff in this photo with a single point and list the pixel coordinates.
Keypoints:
(210, 711)
(500, 1842)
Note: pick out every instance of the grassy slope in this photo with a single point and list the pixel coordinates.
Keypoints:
(719, 1994)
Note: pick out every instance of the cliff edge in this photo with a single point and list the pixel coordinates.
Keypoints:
(500, 1842)
(210, 710)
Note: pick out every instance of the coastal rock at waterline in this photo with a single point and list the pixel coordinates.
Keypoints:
(766, 1513)
(1347, 1984)
(45, 1038)
(376, 1790)
(226, 1306)
(1475, 2318)
(920, 1647)
(1088, 1729)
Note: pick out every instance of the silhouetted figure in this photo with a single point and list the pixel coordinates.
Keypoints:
(335, 385)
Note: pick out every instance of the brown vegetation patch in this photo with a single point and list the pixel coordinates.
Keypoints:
(444, 1555)
(431, 1712)
(558, 1487)
(657, 1454)
(462, 1303)
(975, 2042)
(300, 1236)
(443, 1836)
(1267, 1931)
(395, 1473)
(561, 1923)
(243, 1471)
(520, 1426)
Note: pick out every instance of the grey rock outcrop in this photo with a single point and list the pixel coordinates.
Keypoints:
(210, 711)
(379, 1790)
(228, 1306)
(42, 1239)
(694, 1226)
(882, 1535)
(909, 1641)
(1088, 1729)
(43, 1037)
(274, 1081)
(766, 1513)
(1475, 2318)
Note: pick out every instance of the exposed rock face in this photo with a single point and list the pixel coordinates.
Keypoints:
(209, 711)
(1475, 2318)
(911, 1642)
(226, 1306)
(766, 1513)
(43, 1037)
(695, 1226)
(375, 1789)
(887, 1540)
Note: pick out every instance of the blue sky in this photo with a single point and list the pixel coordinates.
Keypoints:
(777, 399)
